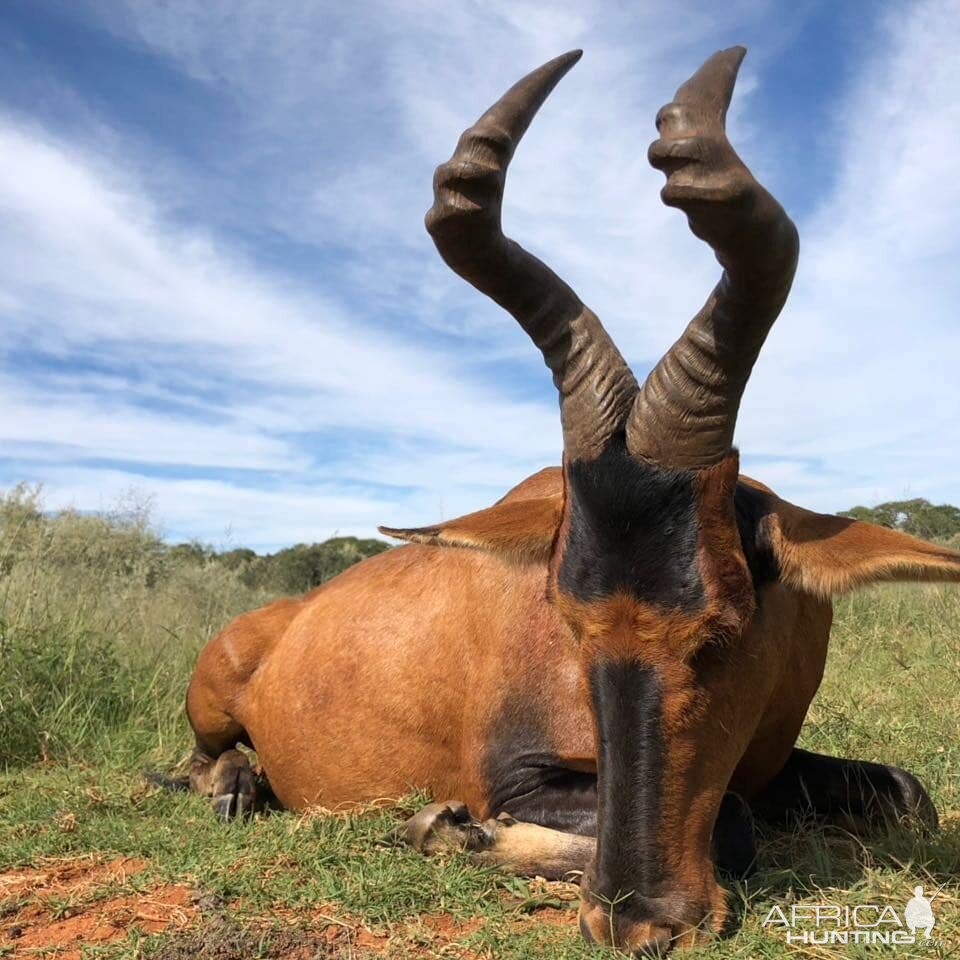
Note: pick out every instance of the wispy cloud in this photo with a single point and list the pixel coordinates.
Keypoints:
(209, 362)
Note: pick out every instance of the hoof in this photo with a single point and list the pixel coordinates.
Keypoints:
(445, 827)
(909, 800)
(233, 787)
(230, 806)
(225, 805)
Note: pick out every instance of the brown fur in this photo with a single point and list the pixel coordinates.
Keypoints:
(826, 555)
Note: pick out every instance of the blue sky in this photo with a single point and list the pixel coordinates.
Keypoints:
(216, 290)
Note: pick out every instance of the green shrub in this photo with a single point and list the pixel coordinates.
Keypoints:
(918, 517)
(305, 566)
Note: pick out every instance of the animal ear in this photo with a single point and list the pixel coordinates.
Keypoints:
(824, 554)
(520, 529)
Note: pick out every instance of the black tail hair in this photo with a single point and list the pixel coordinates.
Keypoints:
(174, 784)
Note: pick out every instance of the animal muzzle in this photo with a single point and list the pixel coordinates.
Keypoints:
(643, 927)
(651, 885)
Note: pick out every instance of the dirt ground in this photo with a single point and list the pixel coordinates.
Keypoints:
(61, 906)
(56, 908)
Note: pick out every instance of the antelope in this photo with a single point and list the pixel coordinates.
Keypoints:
(609, 667)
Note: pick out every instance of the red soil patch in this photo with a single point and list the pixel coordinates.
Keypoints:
(54, 908)
(67, 877)
(548, 917)
(57, 907)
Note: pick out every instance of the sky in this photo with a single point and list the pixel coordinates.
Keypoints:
(217, 295)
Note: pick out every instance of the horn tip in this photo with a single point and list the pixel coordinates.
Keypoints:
(563, 63)
(731, 56)
(519, 104)
(737, 53)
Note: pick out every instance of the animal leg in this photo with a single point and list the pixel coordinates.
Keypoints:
(734, 840)
(526, 849)
(567, 801)
(217, 768)
(228, 779)
(831, 786)
(529, 849)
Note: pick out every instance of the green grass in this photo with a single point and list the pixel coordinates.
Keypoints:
(91, 694)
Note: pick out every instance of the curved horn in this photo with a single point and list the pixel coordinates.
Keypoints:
(686, 410)
(596, 386)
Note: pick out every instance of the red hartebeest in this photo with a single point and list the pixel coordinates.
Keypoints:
(624, 653)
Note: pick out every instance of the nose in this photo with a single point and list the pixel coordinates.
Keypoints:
(650, 928)
(643, 940)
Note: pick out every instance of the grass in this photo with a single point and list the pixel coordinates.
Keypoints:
(94, 666)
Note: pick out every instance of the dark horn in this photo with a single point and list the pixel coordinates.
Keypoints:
(686, 411)
(596, 387)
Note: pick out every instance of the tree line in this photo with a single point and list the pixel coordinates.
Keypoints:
(125, 544)
(292, 570)
(918, 517)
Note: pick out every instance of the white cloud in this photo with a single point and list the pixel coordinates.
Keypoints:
(84, 426)
(121, 277)
(861, 368)
(220, 512)
(91, 270)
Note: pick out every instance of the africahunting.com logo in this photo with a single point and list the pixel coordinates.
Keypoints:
(867, 923)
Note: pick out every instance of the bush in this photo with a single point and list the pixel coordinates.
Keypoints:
(58, 692)
(305, 566)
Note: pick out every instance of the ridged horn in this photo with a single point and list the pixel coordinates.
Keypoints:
(595, 384)
(686, 411)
